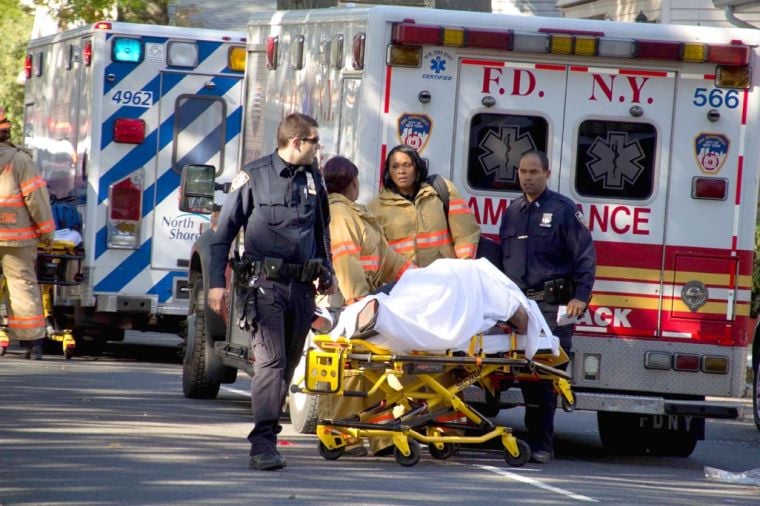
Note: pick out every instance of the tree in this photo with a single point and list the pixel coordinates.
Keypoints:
(89, 11)
(15, 25)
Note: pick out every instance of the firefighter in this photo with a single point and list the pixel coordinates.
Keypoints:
(361, 256)
(363, 262)
(281, 202)
(26, 219)
(548, 252)
(412, 214)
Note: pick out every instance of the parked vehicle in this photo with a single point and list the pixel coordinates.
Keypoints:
(647, 127)
(112, 113)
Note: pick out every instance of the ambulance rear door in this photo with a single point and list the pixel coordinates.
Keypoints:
(504, 108)
(615, 161)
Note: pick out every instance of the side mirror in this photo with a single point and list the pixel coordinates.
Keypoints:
(196, 191)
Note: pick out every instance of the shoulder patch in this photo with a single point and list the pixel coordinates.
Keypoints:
(581, 218)
(240, 180)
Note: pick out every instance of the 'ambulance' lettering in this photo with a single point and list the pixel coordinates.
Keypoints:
(606, 317)
(619, 219)
(492, 210)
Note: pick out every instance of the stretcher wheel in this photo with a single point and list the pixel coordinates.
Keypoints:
(447, 451)
(567, 406)
(522, 458)
(68, 353)
(412, 458)
(329, 454)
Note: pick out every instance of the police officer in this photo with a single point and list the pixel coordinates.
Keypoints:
(25, 220)
(549, 254)
(281, 202)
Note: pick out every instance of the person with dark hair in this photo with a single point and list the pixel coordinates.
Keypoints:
(363, 262)
(362, 259)
(26, 219)
(412, 213)
(281, 203)
(548, 252)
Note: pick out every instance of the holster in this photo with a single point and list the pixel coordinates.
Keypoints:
(558, 291)
(311, 270)
(246, 306)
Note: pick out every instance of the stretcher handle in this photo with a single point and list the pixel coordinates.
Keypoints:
(429, 359)
(538, 366)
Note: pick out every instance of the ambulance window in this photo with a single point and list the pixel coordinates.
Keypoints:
(615, 159)
(497, 141)
(199, 132)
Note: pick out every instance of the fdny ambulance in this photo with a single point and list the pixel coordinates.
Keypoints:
(112, 113)
(647, 128)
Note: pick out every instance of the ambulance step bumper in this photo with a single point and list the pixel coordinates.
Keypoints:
(126, 304)
(656, 405)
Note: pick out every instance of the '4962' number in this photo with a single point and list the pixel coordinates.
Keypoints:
(716, 97)
(134, 98)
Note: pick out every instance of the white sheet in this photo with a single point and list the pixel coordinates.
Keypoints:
(440, 307)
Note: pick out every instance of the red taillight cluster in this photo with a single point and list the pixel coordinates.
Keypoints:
(87, 53)
(28, 66)
(128, 130)
(272, 45)
(686, 362)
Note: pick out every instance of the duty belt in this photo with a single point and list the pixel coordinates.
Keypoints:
(283, 270)
(537, 295)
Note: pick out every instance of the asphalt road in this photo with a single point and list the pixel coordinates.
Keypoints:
(115, 429)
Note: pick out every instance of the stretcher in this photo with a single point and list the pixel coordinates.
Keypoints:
(419, 394)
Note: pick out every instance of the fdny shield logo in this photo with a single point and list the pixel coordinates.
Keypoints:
(414, 130)
(711, 151)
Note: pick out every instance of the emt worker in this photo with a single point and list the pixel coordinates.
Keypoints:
(548, 252)
(25, 220)
(361, 256)
(281, 202)
(412, 214)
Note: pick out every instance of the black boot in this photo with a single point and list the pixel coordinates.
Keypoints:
(34, 349)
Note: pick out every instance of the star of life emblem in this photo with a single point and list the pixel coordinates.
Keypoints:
(615, 160)
(502, 149)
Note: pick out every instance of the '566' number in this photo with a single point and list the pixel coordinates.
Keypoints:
(716, 97)
(135, 98)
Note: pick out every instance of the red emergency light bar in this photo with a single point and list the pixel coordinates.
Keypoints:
(410, 33)
(102, 25)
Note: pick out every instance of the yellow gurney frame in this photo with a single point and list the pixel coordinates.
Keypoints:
(417, 390)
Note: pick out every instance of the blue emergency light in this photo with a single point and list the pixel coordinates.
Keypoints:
(127, 50)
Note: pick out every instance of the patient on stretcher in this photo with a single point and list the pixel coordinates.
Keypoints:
(440, 307)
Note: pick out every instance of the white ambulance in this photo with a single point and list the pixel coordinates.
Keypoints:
(112, 113)
(647, 128)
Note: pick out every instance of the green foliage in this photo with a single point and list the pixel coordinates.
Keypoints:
(90, 11)
(15, 25)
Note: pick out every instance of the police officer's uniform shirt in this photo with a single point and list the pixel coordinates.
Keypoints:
(277, 204)
(547, 239)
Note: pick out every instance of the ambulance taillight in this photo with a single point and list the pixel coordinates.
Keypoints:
(28, 66)
(125, 212)
(709, 188)
(129, 130)
(272, 44)
(87, 53)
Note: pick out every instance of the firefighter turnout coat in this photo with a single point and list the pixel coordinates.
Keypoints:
(362, 259)
(420, 229)
(25, 213)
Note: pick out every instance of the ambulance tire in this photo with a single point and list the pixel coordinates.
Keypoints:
(303, 408)
(616, 437)
(195, 381)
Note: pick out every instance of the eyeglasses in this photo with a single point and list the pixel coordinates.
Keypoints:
(404, 165)
(312, 140)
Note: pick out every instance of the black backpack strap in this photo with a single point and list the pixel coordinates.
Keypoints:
(442, 190)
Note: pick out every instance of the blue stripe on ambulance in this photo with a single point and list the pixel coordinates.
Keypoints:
(127, 270)
(164, 287)
(142, 153)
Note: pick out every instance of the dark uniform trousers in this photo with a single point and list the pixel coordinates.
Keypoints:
(539, 396)
(285, 309)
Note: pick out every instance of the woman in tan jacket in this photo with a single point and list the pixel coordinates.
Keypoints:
(362, 259)
(412, 214)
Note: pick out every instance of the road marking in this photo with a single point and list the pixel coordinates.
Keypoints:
(536, 483)
(237, 391)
